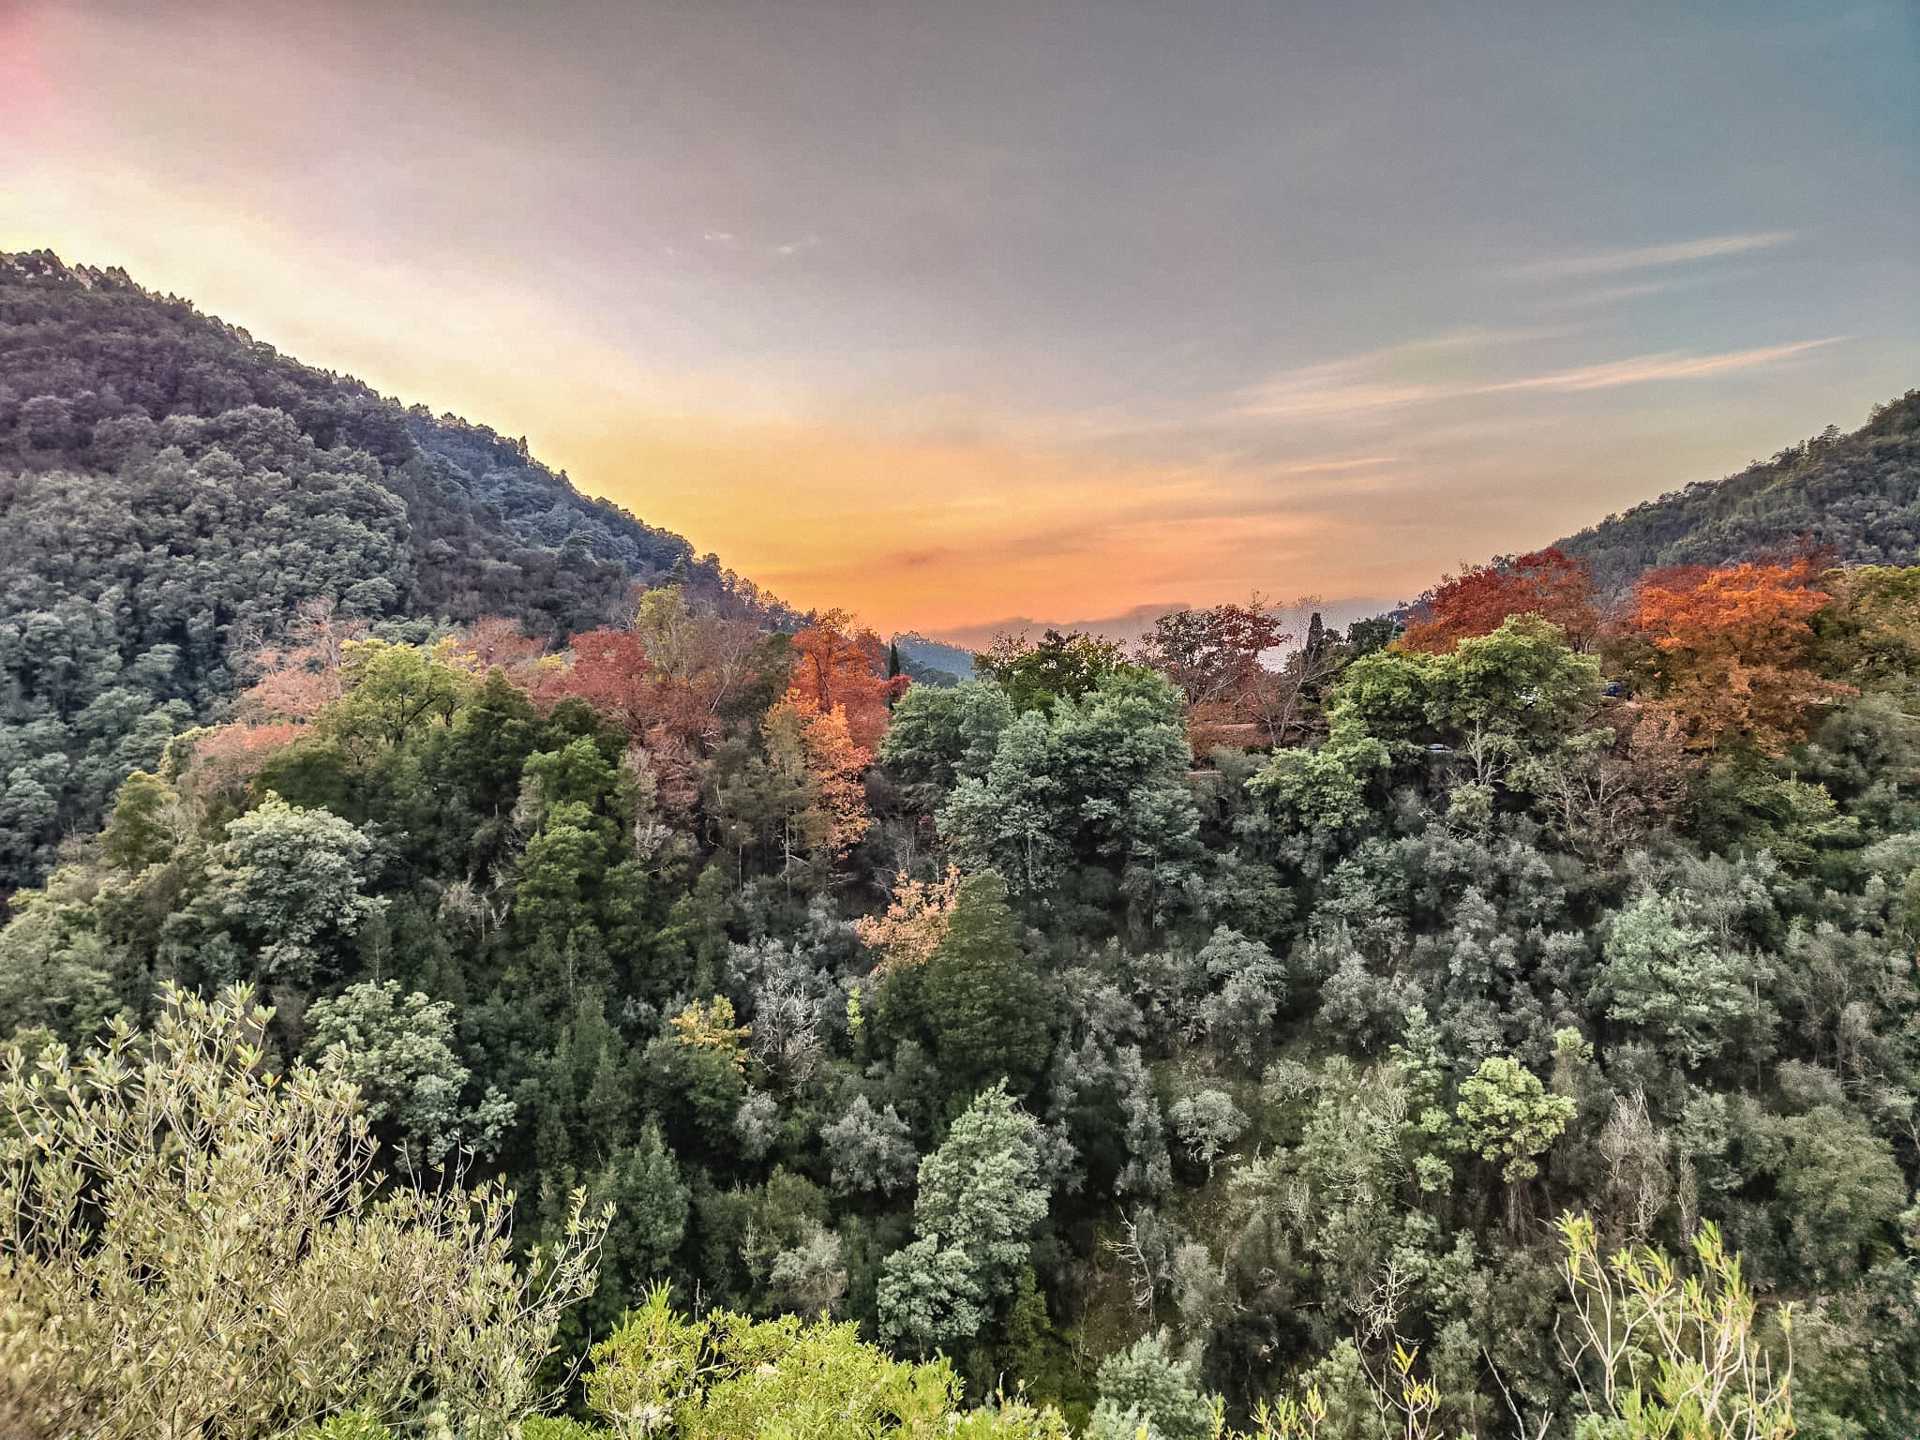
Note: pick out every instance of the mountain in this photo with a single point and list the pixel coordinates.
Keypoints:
(1855, 497)
(170, 488)
(942, 663)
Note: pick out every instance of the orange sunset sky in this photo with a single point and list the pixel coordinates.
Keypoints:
(952, 314)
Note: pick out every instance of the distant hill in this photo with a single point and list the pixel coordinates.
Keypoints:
(944, 663)
(171, 487)
(1855, 497)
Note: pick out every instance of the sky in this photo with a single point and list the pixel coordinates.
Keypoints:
(955, 313)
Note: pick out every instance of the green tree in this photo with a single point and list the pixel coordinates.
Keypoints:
(146, 824)
(1098, 782)
(1037, 673)
(1144, 1390)
(983, 1001)
(726, 1376)
(398, 1052)
(641, 1188)
(981, 1193)
(1207, 1122)
(392, 692)
(1681, 982)
(289, 883)
(58, 972)
(869, 1150)
(938, 735)
(1507, 1117)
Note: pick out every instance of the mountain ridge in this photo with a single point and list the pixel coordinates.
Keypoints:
(1854, 496)
(485, 462)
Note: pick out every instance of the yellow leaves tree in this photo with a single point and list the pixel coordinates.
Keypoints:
(832, 813)
(709, 1025)
(1661, 1353)
(837, 766)
(916, 921)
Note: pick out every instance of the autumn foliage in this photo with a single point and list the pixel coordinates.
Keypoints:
(1549, 583)
(916, 921)
(701, 666)
(837, 666)
(496, 641)
(1213, 655)
(611, 672)
(835, 814)
(224, 759)
(1731, 651)
(670, 678)
(298, 675)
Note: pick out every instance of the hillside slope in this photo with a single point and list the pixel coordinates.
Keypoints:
(934, 657)
(1854, 496)
(171, 487)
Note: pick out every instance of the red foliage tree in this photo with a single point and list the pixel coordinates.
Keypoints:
(1214, 654)
(703, 665)
(297, 677)
(1549, 583)
(494, 640)
(1731, 651)
(610, 671)
(223, 760)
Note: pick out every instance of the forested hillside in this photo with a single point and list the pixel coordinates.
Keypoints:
(935, 656)
(1855, 498)
(516, 991)
(170, 487)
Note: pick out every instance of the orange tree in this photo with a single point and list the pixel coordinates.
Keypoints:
(1730, 651)
(837, 667)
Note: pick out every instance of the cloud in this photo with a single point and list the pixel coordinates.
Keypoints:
(1609, 295)
(1341, 387)
(1365, 382)
(1645, 369)
(1648, 257)
(1331, 466)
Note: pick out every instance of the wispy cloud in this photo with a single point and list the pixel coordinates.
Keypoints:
(1609, 295)
(1645, 369)
(1477, 337)
(1337, 387)
(1332, 466)
(1649, 257)
(1364, 383)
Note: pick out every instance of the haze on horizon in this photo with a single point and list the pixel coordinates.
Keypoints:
(949, 313)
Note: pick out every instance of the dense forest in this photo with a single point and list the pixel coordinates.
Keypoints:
(520, 971)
